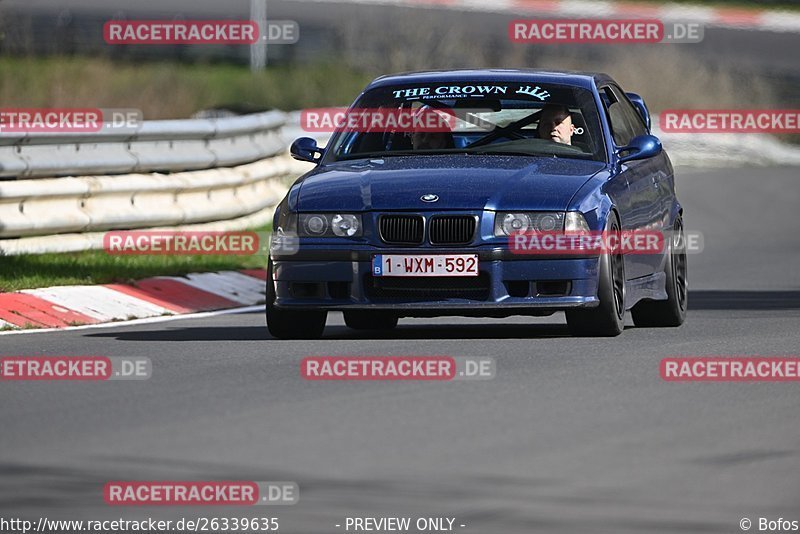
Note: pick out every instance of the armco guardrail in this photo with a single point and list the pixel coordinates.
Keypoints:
(166, 174)
(172, 145)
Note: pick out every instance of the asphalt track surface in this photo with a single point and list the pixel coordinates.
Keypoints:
(573, 435)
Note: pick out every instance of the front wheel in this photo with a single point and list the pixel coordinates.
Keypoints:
(670, 312)
(292, 324)
(607, 319)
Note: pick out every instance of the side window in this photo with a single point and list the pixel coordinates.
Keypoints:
(621, 127)
(632, 116)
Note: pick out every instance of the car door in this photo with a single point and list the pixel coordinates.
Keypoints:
(643, 209)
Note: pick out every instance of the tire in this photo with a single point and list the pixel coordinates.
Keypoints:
(607, 319)
(370, 320)
(292, 324)
(670, 312)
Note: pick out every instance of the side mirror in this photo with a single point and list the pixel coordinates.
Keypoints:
(640, 147)
(305, 149)
(641, 107)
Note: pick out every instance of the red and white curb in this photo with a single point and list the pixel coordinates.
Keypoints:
(163, 296)
(725, 17)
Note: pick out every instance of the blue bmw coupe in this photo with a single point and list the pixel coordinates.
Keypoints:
(398, 220)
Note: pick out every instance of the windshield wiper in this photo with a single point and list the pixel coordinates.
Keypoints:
(529, 154)
(509, 153)
(368, 155)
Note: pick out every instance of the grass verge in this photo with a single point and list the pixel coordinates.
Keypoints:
(172, 90)
(98, 267)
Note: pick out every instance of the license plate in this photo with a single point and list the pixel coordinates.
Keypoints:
(425, 265)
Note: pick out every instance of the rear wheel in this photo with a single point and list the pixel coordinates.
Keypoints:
(670, 312)
(370, 320)
(292, 324)
(607, 319)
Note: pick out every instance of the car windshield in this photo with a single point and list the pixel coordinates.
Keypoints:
(497, 118)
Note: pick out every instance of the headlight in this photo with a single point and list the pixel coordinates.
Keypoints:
(509, 223)
(345, 225)
(314, 224)
(575, 222)
(330, 224)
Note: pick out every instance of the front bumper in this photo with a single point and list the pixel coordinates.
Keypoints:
(508, 284)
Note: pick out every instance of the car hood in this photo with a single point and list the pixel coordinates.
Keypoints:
(462, 182)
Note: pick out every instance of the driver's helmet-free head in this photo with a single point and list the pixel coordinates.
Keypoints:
(438, 137)
(554, 124)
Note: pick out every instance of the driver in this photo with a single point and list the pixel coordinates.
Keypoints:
(424, 139)
(555, 124)
(431, 140)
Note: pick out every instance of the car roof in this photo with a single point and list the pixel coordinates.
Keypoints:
(559, 77)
